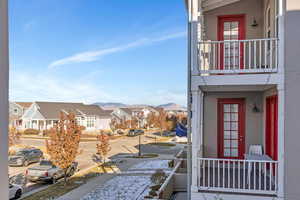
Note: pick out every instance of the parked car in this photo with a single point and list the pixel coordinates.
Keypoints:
(25, 157)
(46, 171)
(15, 191)
(135, 132)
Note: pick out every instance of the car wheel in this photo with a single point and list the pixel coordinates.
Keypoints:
(18, 194)
(25, 163)
(54, 179)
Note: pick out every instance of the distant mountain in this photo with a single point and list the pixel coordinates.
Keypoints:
(110, 105)
(114, 105)
(172, 106)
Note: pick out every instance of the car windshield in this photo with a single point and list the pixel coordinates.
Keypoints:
(46, 162)
(22, 153)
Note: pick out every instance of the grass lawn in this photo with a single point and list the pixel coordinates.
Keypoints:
(59, 189)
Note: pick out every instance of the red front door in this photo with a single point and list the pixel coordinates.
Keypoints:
(272, 127)
(231, 27)
(231, 128)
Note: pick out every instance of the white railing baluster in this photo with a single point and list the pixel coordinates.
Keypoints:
(271, 54)
(223, 163)
(250, 55)
(213, 182)
(265, 179)
(244, 175)
(208, 174)
(233, 171)
(255, 57)
(260, 54)
(218, 173)
(259, 169)
(266, 53)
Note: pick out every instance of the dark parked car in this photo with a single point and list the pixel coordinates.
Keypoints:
(135, 132)
(25, 157)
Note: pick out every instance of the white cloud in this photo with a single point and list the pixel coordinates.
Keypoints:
(25, 86)
(89, 56)
(44, 87)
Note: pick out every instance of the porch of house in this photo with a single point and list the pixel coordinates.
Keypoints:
(233, 120)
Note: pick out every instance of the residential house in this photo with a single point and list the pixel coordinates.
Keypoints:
(245, 74)
(16, 110)
(43, 115)
(128, 113)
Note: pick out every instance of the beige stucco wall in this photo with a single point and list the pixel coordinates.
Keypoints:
(292, 99)
(253, 121)
(251, 8)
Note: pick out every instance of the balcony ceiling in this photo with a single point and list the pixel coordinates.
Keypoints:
(213, 4)
(237, 88)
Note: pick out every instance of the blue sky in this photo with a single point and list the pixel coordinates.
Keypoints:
(130, 51)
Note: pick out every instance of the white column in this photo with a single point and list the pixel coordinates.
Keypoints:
(196, 137)
(4, 77)
(281, 135)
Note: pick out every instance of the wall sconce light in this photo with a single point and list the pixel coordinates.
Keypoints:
(255, 109)
(254, 23)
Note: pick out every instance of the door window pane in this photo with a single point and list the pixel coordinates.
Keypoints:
(227, 143)
(226, 107)
(226, 126)
(227, 135)
(234, 153)
(226, 116)
(226, 152)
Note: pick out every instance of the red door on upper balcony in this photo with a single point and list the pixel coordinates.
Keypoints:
(231, 128)
(231, 27)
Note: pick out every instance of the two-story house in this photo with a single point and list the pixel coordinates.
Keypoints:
(16, 111)
(244, 71)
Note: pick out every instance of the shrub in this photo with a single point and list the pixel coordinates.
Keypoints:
(31, 131)
(158, 177)
(152, 193)
(155, 187)
(171, 163)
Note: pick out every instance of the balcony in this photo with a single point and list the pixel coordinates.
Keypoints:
(238, 56)
(239, 176)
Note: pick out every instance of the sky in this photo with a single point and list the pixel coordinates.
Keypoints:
(129, 51)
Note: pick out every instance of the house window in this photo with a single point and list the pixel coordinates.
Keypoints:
(90, 122)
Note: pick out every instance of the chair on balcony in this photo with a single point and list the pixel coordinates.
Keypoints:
(256, 149)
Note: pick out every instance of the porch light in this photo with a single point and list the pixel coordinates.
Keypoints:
(255, 109)
(254, 23)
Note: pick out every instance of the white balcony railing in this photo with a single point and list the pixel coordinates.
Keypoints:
(238, 56)
(239, 176)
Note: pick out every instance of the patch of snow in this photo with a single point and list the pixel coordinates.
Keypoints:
(152, 164)
(121, 188)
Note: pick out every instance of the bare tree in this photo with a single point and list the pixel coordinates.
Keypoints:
(103, 146)
(63, 144)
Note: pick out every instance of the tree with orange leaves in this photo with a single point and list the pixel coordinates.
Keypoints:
(103, 146)
(63, 144)
(13, 136)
